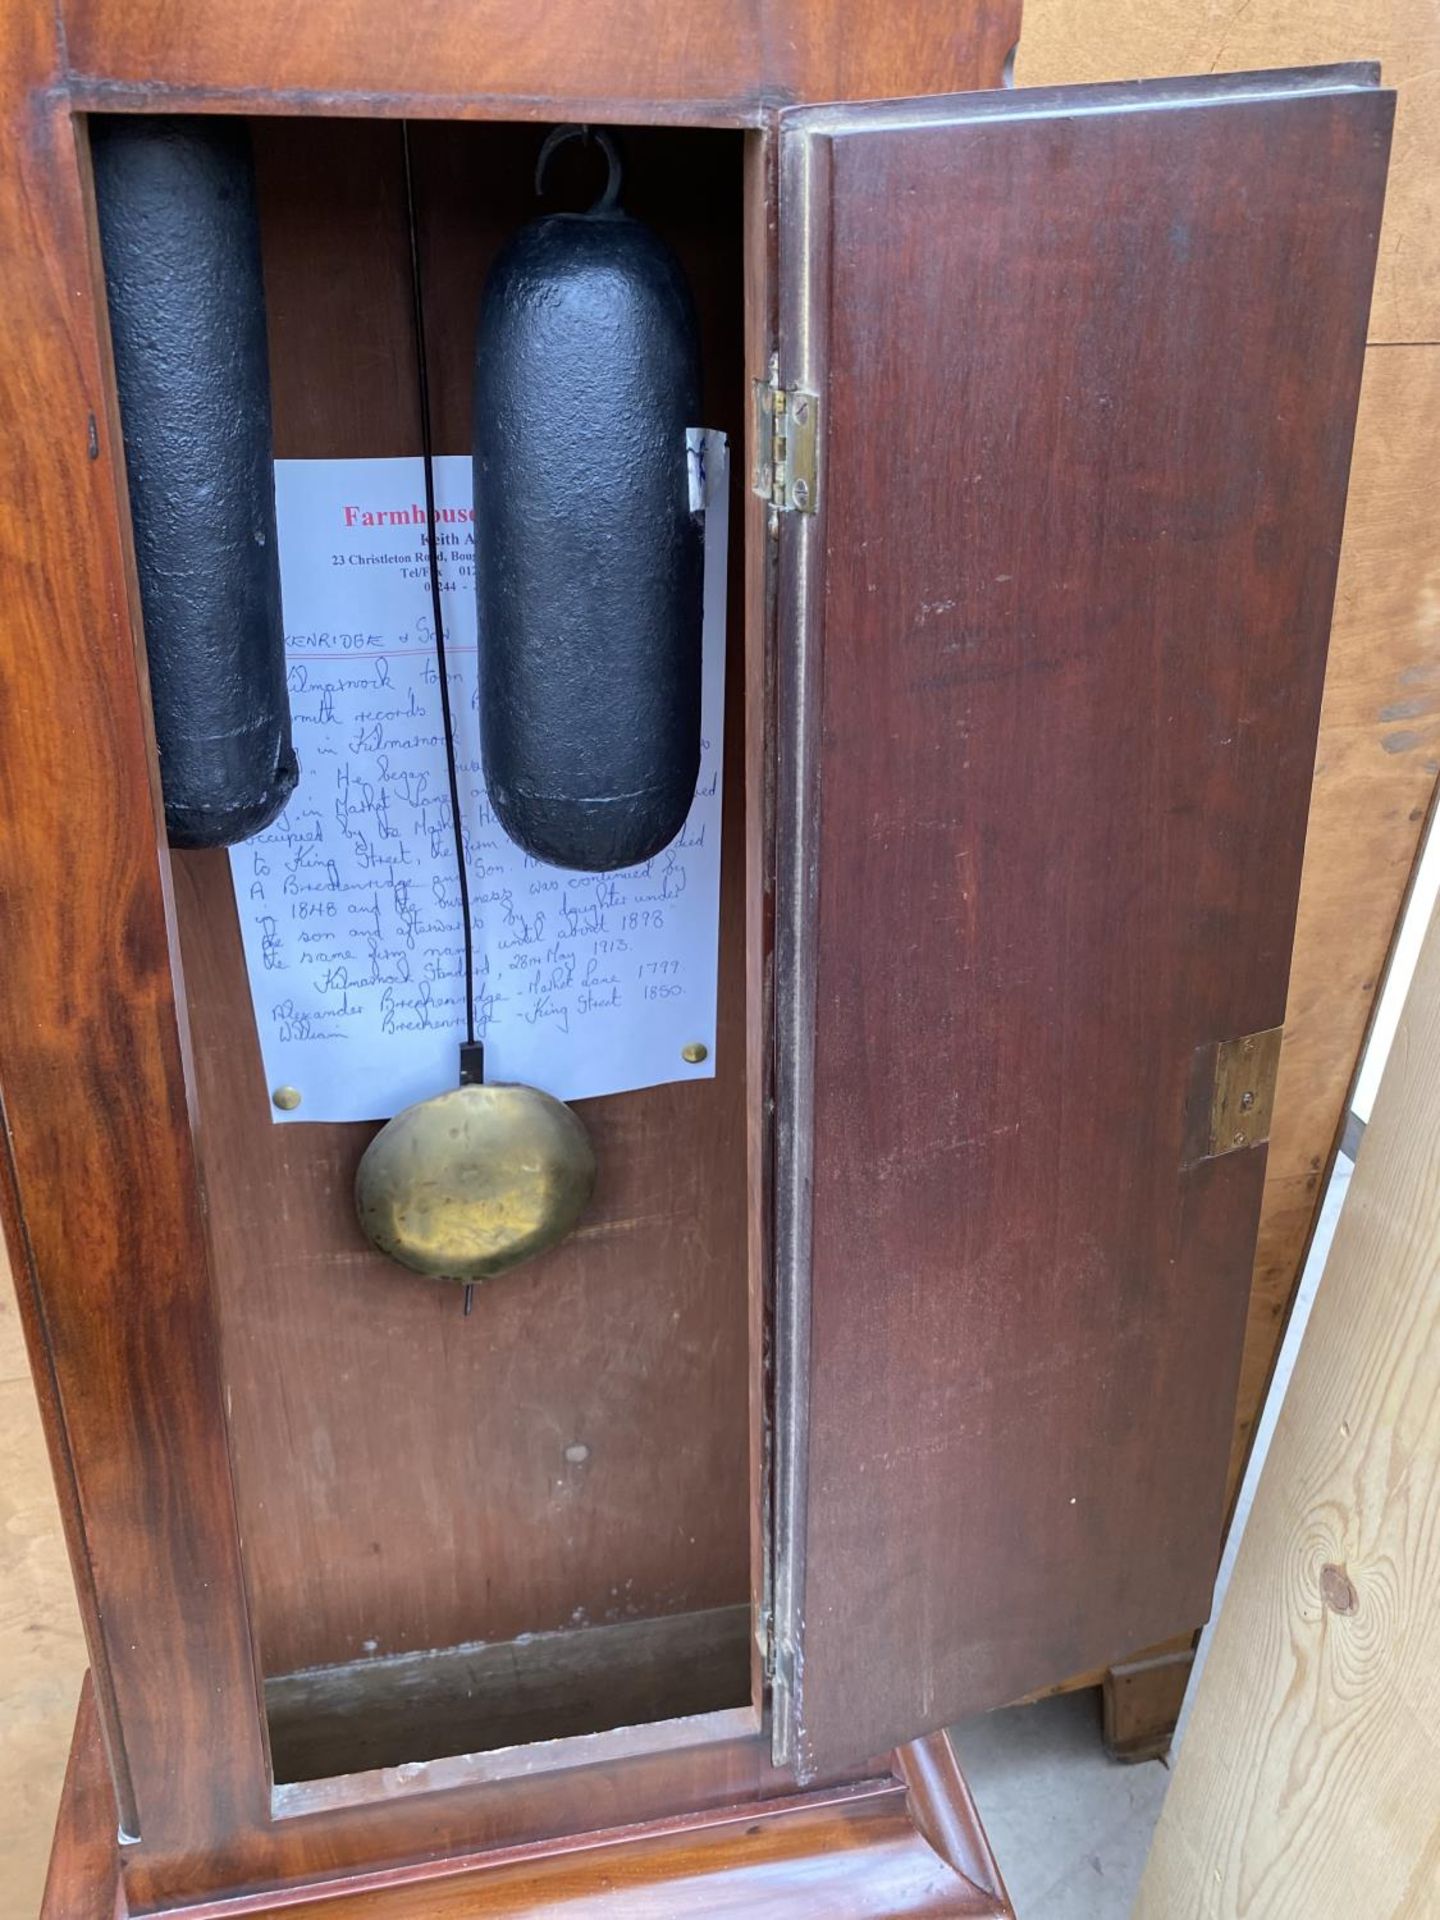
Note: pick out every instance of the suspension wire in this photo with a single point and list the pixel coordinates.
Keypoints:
(427, 451)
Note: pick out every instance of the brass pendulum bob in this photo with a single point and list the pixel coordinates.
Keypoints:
(473, 1181)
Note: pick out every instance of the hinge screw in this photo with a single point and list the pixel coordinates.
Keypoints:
(801, 492)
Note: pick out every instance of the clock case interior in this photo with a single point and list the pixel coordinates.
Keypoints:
(539, 1523)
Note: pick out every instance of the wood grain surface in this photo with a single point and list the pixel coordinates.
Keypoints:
(1308, 1783)
(616, 60)
(1070, 585)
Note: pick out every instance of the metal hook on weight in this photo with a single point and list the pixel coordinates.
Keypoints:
(609, 201)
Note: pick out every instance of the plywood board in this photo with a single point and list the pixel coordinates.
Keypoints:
(1374, 781)
(1065, 40)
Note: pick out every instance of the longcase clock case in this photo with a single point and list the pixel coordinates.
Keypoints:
(890, 1375)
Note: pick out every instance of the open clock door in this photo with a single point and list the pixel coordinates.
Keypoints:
(1052, 637)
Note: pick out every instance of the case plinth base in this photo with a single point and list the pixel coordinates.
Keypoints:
(906, 1847)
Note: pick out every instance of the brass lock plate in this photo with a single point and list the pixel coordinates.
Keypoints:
(1232, 1095)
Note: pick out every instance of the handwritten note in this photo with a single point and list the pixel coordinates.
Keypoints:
(349, 905)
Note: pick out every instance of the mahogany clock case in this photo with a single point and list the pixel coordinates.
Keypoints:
(1020, 719)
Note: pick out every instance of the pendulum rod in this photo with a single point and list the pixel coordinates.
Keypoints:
(472, 1057)
(427, 453)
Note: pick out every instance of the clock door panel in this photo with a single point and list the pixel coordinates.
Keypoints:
(1052, 649)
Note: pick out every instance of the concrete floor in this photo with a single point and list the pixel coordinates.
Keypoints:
(1070, 1827)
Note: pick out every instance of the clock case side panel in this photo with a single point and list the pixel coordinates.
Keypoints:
(104, 1215)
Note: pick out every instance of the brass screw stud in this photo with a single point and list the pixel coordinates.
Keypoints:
(286, 1098)
(694, 1052)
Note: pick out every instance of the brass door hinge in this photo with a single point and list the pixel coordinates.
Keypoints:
(786, 423)
(1232, 1095)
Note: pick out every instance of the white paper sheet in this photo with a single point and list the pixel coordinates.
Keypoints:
(585, 983)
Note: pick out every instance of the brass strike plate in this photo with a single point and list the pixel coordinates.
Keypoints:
(1232, 1095)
